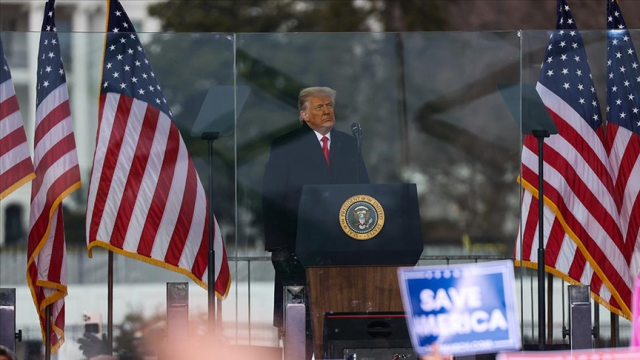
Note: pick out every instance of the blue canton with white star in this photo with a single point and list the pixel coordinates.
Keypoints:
(623, 73)
(126, 68)
(5, 73)
(50, 70)
(565, 70)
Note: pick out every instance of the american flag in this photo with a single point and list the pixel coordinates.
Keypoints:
(623, 129)
(16, 168)
(145, 198)
(582, 234)
(57, 175)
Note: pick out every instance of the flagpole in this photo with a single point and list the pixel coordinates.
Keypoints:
(110, 303)
(47, 332)
(211, 272)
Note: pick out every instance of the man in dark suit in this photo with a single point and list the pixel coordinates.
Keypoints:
(314, 153)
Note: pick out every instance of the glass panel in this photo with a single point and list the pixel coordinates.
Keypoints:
(431, 114)
(186, 66)
(560, 73)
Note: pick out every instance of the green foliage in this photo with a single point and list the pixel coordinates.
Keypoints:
(259, 16)
(412, 15)
(224, 15)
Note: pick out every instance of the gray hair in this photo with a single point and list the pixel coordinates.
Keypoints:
(310, 92)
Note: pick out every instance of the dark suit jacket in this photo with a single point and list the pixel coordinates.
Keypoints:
(296, 160)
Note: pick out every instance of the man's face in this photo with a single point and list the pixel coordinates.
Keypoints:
(319, 114)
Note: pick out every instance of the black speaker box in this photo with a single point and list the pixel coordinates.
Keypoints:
(371, 336)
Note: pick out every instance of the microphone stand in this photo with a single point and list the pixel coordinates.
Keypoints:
(211, 269)
(358, 162)
(540, 135)
(356, 130)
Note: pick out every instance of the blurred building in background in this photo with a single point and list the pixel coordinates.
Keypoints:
(20, 23)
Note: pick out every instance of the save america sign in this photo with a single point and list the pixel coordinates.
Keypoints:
(467, 309)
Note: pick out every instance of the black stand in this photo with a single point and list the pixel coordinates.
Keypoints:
(525, 104)
(540, 135)
(217, 117)
(358, 165)
(211, 269)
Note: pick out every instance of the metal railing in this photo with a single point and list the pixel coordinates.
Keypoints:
(251, 270)
(606, 335)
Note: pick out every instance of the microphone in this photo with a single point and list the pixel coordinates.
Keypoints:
(356, 130)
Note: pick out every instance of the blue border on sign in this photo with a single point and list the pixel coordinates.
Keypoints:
(461, 341)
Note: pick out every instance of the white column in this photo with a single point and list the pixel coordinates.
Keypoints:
(82, 91)
(22, 196)
(36, 12)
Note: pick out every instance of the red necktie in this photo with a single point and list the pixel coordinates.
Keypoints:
(325, 148)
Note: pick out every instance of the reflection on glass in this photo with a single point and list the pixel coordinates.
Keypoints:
(430, 111)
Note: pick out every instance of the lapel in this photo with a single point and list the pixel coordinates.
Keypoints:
(313, 151)
(336, 148)
(315, 161)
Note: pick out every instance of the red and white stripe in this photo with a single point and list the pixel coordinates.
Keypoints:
(57, 175)
(145, 198)
(563, 258)
(579, 191)
(624, 155)
(16, 167)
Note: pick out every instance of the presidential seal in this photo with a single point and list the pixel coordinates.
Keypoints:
(361, 217)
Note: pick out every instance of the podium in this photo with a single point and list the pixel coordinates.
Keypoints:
(351, 239)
